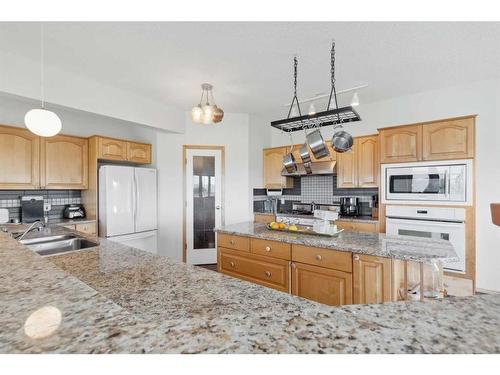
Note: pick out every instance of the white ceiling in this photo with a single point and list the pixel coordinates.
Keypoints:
(250, 64)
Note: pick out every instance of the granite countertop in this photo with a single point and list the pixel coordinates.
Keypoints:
(71, 221)
(378, 244)
(114, 298)
(359, 219)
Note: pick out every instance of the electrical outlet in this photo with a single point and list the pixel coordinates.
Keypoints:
(47, 207)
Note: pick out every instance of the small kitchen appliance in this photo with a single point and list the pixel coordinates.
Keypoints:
(349, 206)
(31, 208)
(74, 211)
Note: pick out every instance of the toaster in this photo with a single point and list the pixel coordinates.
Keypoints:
(74, 211)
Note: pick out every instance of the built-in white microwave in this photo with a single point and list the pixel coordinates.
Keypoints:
(428, 182)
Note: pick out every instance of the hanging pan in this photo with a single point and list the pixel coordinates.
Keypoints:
(289, 162)
(317, 144)
(342, 141)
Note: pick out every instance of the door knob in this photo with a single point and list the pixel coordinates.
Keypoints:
(217, 207)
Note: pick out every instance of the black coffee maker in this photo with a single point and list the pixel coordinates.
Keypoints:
(349, 206)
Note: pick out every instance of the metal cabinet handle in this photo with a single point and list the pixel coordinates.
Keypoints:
(355, 257)
(268, 274)
(268, 248)
(294, 266)
(232, 242)
(318, 257)
(232, 264)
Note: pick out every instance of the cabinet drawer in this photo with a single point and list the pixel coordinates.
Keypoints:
(357, 227)
(88, 228)
(273, 273)
(273, 249)
(233, 242)
(337, 260)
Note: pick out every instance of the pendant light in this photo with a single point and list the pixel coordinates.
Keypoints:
(40, 121)
(207, 113)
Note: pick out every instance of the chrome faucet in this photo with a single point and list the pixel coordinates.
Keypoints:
(30, 228)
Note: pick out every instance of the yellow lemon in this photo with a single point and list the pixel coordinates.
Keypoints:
(293, 228)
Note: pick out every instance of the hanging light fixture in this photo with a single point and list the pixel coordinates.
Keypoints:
(41, 121)
(207, 113)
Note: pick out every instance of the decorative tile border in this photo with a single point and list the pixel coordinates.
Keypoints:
(12, 203)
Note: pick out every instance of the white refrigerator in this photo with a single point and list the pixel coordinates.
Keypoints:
(128, 206)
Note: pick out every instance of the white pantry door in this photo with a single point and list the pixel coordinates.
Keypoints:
(203, 204)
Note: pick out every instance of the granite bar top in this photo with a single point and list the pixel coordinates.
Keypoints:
(378, 244)
(117, 299)
(359, 219)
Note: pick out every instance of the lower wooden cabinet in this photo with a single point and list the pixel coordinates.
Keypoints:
(267, 271)
(87, 228)
(323, 285)
(264, 218)
(371, 279)
(357, 227)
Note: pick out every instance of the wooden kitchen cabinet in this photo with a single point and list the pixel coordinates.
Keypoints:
(401, 144)
(367, 161)
(233, 242)
(347, 171)
(357, 226)
(264, 218)
(322, 285)
(139, 152)
(273, 249)
(87, 228)
(19, 159)
(327, 258)
(360, 166)
(64, 162)
(371, 279)
(111, 149)
(267, 271)
(451, 139)
(273, 165)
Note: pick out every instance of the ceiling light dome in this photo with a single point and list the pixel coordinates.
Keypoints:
(42, 122)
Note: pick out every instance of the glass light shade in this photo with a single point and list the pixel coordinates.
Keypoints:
(218, 114)
(355, 100)
(208, 112)
(42, 122)
(197, 114)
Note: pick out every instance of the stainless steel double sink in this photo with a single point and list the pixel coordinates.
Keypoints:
(56, 244)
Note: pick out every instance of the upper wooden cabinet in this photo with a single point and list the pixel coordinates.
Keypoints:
(368, 164)
(19, 159)
(401, 144)
(273, 165)
(121, 150)
(139, 152)
(371, 279)
(437, 140)
(320, 284)
(64, 162)
(360, 166)
(111, 149)
(453, 139)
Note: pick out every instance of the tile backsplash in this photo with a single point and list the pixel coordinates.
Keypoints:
(321, 189)
(11, 199)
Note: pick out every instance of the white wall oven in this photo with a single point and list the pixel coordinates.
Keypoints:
(431, 222)
(433, 182)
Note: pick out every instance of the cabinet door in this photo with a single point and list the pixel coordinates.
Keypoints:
(371, 279)
(19, 159)
(270, 272)
(452, 139)
(64, 162)
(347, 170)
(368, 165)
(322, 285)
(273, 165)
(357, 227)
(111, 149)
(402, 144)
(139, 152)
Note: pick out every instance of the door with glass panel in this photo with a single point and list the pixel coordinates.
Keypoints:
(203, 204)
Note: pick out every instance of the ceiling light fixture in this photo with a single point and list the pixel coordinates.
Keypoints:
(312, 109)
(40, 121)
(355, 100)
(207, 113)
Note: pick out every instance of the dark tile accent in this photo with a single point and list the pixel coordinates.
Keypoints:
(259, 191)
(296, 190)
(258, 206)
(352, 192)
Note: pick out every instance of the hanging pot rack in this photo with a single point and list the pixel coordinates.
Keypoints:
(336, 116)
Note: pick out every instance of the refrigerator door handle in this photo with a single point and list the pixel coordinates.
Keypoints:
(134, 198)
(136, 190)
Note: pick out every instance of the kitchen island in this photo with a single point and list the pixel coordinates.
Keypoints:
(116, 299)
